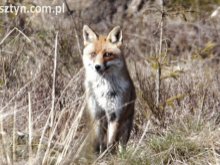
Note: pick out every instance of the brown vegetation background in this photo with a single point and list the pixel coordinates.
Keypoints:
(172, 50)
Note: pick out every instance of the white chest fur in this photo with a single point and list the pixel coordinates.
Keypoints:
(109, 92)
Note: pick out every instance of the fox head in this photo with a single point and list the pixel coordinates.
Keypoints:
(102, 54)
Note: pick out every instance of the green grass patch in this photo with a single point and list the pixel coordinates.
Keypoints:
(173, 146)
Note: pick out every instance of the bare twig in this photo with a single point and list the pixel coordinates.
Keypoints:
(69, 11)
(158, 76)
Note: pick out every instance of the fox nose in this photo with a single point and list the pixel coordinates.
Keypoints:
(97, 67)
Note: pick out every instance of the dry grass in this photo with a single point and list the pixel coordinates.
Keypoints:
(42, 103)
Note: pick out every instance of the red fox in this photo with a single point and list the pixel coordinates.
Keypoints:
(109, 89)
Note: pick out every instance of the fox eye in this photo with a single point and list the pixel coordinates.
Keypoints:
(93, 54)
(108, 54)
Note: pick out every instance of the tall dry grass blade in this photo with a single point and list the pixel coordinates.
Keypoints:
(54, 80)
(3, 155)
(42, 137)
(158, 76)
(84, 142)
(216, 156)
(30, 128)
(17, 94)
(11, 31)
(71, 133)
(77, 38)
(51, 137)
(14, 135)
(73, 129)
(202, 107)
(4, 145)
(73, 79)
(102, 155)
(141, 139)
(67, 121)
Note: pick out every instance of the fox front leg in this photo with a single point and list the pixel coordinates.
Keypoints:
(100, 135)
(99, 121)
(113, 132)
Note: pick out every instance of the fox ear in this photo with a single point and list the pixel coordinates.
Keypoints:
(88, 35)
(115, 36)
